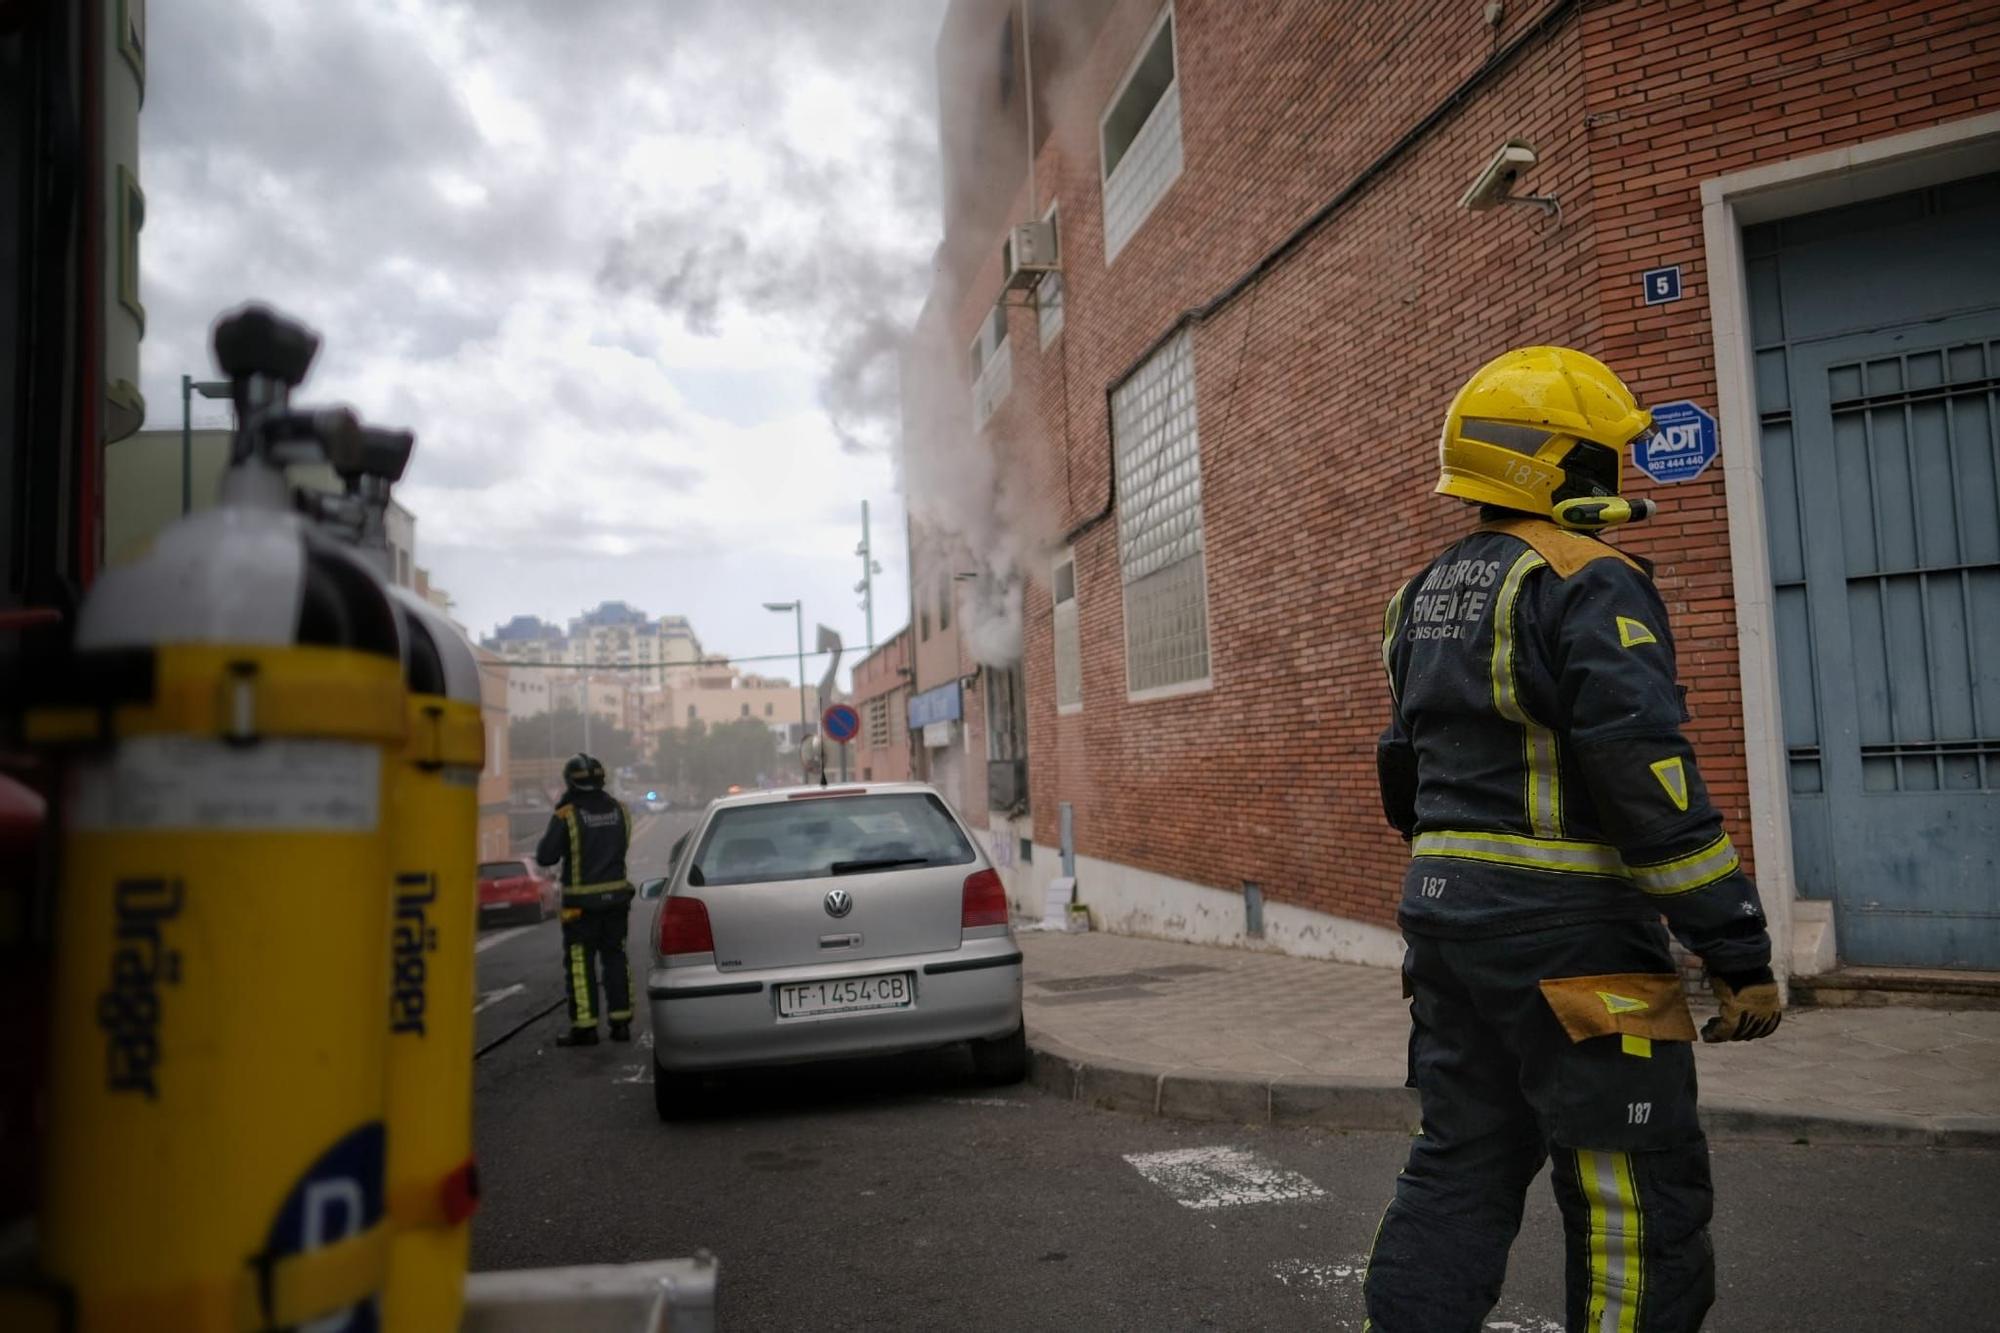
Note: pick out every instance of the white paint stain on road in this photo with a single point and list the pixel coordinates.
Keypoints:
(635, 1074)
(1314, 1279)
(982, 1101)
(493, 997)
(1309, 1276)
(1222, 1177)
(500, 937)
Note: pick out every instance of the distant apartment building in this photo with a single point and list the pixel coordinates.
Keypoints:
(622, 638)
(1776, 222)
(528, 639)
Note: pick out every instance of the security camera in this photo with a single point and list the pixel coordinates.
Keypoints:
(1496, 183)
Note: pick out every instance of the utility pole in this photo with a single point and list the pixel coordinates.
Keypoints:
(869, 569)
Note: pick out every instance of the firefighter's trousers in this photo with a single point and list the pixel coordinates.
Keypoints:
(594, 937)
(1504, 1088)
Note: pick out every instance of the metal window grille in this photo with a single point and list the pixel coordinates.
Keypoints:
(1916, 442)
(1006, 723)
(1138, 170)
(1160, 543)
(996, 377)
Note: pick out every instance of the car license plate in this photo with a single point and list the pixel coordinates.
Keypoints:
(846, 995)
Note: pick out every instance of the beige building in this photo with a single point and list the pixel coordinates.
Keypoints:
(142, 493)
(495, 840)
(715, 696)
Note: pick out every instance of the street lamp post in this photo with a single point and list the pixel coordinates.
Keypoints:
(798, 610)
(190, 386)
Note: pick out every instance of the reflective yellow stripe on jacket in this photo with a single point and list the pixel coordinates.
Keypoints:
(1543, 797)
(1698, 870)
(1390, 619)
(1514, 849)
(574, 870)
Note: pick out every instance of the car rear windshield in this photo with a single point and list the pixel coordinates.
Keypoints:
(825, 836)
(501, 870)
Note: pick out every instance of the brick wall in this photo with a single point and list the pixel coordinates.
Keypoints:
(1320, 389)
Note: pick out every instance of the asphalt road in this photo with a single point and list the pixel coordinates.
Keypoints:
(901, 1194)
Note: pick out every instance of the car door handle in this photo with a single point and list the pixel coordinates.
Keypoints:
(839, 941)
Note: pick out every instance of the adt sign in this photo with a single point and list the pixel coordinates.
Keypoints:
(1683, 445)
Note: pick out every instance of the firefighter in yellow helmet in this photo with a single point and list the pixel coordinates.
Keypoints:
(590, 833)
(1534, 758)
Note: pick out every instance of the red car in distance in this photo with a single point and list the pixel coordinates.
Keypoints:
(516, 889)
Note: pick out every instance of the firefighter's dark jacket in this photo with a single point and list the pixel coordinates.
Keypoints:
(1535, 756)
(589, 833)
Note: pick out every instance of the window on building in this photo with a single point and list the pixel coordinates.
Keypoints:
(746, 710)
(1160, 540)
(1140, 137)
(878, 723)
(1006, 714)
(690, 712)
(1007, 59)
(1049, 291)
(992, 366)
(770, 710)
(924, 624)
(945, 591)
(1068, 636)
(131, 219)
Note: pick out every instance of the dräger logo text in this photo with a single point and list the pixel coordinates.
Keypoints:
(129, 1009)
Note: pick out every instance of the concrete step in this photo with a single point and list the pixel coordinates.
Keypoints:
(1918, 987)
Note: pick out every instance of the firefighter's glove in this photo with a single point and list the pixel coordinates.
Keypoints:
(1750, 1005)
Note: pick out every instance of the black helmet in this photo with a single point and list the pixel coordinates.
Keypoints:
(583, 773)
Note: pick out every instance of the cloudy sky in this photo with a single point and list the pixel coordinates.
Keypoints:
(629, 268)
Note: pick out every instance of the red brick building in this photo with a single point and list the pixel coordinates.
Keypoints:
(881, 692)
(1224, 409)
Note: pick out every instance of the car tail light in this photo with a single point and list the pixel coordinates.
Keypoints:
(684, 927)
(985, 902)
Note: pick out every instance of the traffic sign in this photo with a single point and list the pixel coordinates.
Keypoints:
(1682, 445)
(841, 723)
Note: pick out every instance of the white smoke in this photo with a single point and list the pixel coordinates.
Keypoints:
(972, 496)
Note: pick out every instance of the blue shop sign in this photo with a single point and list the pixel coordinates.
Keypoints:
(936, 705)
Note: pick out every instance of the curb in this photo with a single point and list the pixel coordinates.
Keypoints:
(1378, 1105)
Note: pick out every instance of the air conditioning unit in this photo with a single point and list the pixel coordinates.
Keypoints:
(1006, 784)
(1028, 252)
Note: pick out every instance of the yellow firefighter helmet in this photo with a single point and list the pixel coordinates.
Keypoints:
(1540, 427)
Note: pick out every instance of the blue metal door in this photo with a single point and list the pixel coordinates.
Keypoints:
(1902, 539)
(1878, 357)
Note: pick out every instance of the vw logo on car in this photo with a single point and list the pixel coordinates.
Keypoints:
(839, 902)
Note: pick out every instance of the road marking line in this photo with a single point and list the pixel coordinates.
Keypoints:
(981, 1101)
(1533, 1323)
(635, 1074)
(1222, 1177)
(501, 938)
(494, 997)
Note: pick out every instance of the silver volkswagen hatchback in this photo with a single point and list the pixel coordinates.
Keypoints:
(822, 923)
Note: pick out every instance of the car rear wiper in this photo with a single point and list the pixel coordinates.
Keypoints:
(885, 863)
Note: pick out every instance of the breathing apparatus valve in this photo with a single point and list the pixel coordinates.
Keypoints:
(1593, 513)
(256, 341)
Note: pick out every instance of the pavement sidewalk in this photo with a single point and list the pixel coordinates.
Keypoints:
(1206, 1033)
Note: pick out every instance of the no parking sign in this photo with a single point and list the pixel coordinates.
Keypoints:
(1683, 443)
